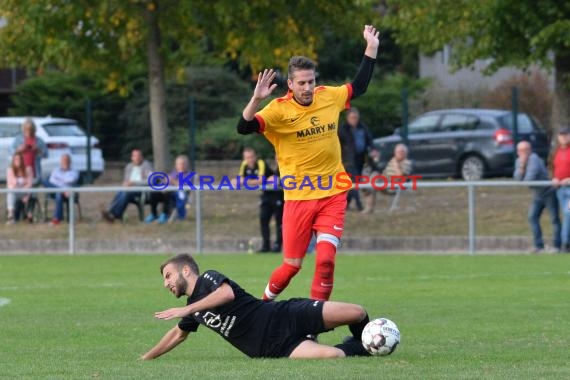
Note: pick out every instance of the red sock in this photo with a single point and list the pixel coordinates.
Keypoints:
(279, 280)
(324, 271)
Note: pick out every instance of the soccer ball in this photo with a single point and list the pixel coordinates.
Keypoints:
(380, 337)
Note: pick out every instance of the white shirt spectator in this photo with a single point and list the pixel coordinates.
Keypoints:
(136, 174)
(64, 178)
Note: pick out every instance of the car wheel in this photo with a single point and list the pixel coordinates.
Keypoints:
(472, 168)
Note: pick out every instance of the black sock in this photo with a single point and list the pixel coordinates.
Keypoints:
(353, 347)
(356, 328)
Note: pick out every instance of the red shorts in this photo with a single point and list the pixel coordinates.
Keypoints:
(302, 218)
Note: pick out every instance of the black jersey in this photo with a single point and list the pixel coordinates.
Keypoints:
(242, 322)
(262, 169)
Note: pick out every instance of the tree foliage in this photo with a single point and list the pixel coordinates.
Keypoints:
(504, 32)
(510, 32)
(112, 39)
(216, 93)
(108, 37)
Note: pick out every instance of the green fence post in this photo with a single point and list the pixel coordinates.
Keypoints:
(515, 112)
(89, 120)
(404, 129)
(192, 133)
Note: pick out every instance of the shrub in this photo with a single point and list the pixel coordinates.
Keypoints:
(534, 96)
(217, 94)
(220, 140)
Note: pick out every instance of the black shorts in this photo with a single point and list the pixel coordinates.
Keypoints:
(293, 320)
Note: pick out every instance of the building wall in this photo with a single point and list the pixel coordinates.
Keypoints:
(437, 67)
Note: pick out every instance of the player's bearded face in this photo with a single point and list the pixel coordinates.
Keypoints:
(180, 285)
(302, 84)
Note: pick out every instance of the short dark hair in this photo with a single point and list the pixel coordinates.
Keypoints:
(300, 63)
(353, 110)
(180, 260)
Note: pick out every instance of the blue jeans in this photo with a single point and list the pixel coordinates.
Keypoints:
(549, 201)
(60, 200)
(180, 198)
(563, 194)
(121, 201)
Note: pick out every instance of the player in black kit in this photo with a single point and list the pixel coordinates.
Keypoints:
(256, 328)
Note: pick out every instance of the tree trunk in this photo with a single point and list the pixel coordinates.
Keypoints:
(158, 119)
(561, 104)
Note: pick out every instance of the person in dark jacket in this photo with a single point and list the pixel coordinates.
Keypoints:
(356, 143)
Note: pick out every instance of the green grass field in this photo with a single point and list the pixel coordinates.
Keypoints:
(481, 317)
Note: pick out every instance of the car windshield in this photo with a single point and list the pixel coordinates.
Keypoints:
(63, 129)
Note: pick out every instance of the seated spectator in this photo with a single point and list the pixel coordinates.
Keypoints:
(136, 174)
(19, 176)
(180, 197)
(64, 176)
(154, 198)
(529, 167)
(32, 148)
(170, 198)
(399, 165)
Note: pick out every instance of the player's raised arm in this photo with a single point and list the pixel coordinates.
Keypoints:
(364, 74)
(171, 339)
(248, 123)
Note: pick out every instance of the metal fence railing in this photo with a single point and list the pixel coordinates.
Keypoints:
(471, 186)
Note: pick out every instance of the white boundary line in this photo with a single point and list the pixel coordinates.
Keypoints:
(4, 301)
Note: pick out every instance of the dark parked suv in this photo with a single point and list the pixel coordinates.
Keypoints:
(467, 143)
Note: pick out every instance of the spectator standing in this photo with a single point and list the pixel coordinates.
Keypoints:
(561, 180)
(356, 142)
(271, 203)
(529, 167)
(32, 148)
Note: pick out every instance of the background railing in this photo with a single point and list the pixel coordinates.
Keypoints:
(471, 186)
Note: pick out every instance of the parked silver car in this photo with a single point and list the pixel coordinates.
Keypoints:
(467, 143)
(61, 136)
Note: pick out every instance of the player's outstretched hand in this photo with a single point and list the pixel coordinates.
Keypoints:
(177, 312)
(264, 88)
(371, 35)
